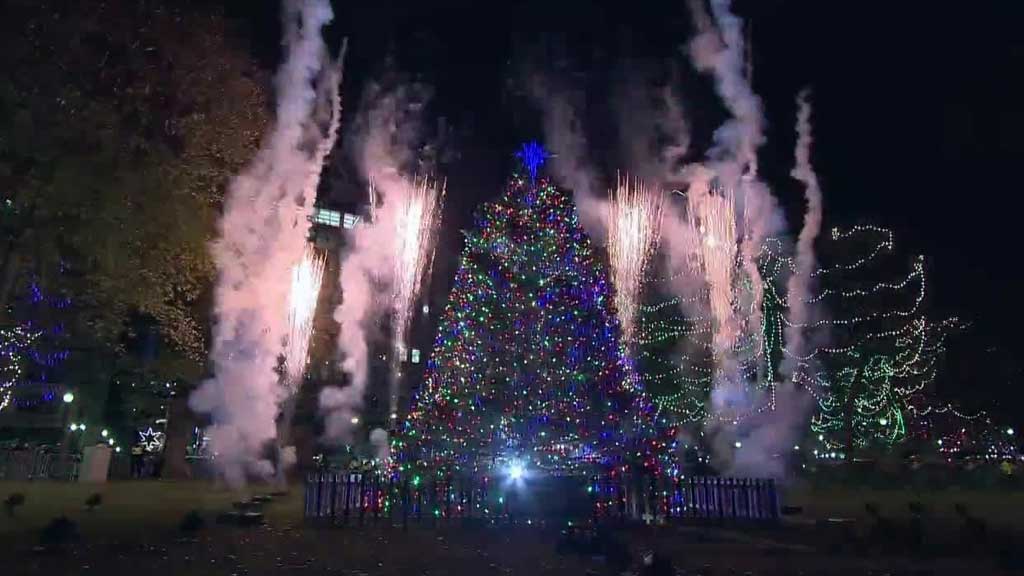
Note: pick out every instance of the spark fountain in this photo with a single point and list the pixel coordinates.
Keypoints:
(416, 232)
(711, 211)
(262, 235)
(634, 228)
(307, 276)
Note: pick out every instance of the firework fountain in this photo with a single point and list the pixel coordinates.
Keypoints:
(387, 256)
(263, 236)
(419, 213)
(634, 228)
(307, 276)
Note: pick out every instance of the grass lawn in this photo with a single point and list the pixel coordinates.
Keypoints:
(999, 507)
(153, 504)
(136, 527)
(130, 505)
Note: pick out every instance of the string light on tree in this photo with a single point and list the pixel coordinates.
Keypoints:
(527, 364)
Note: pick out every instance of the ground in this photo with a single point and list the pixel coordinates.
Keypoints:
(136, 527)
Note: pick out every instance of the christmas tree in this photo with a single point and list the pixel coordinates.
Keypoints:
(879, 351)
(527, 367)
(874, 351)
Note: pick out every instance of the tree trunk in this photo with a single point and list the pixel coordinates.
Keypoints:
(8, 275)
(180, 423)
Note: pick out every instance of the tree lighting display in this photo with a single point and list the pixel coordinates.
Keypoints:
(527, 364)
(869, 361)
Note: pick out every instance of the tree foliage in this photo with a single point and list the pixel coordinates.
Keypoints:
(120, 125)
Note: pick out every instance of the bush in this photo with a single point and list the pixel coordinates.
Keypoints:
(192, 522)
(13, 502)
(60, 532)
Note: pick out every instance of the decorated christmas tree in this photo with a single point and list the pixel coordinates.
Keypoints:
(527, 368)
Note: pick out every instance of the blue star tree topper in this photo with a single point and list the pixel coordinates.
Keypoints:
(533, 156)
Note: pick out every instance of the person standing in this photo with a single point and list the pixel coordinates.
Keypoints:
(137, 461)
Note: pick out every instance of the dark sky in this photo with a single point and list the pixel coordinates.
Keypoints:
(917, 119)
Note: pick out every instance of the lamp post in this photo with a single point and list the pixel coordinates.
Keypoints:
(65, 446)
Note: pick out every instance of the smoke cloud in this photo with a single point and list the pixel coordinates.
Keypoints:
(712, 247)
(380, 445)
(261, 238)
(769, 438)
(799, 284)
(385, 140)
(566, 140)
(653, 133)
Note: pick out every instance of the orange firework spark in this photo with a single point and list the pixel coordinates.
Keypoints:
(634, 227)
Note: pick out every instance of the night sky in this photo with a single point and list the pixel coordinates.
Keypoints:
(917, 120)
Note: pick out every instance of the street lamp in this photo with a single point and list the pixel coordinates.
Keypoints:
(69, 397)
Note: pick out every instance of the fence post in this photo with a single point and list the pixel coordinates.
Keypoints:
(448, 493)
(375, 488)
(419, 505)
(362, 498)
(405, 503)
(758, 499)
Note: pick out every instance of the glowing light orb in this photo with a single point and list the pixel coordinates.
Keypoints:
(69, 397)
(516, 471)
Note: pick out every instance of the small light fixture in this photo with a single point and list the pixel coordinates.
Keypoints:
(516, 471)
(69, 397)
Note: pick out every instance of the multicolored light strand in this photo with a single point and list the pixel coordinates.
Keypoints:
(527, 365)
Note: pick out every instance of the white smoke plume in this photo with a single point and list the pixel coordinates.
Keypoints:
(379, 443)
(653, 134)
(262, 236)
(769, 438)
(385, 139)
(799, 284)
(728, 215)
(566, 141)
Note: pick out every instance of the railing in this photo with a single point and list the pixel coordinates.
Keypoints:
(37, 465)
(355, 497)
